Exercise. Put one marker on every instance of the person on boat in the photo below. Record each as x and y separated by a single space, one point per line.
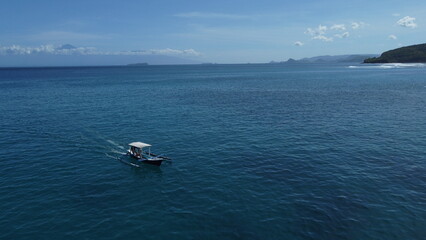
137 152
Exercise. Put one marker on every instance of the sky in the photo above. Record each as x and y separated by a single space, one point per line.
205 31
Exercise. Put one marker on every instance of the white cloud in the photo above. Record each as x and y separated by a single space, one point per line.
323 38
320 30
343 35
45 49
298 43
71 50
396 14
393 37
339 27
407 21
357 25
211 15
319 33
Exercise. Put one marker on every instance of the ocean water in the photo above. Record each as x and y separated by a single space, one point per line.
259 152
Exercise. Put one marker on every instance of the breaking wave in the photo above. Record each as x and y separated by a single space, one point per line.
391 65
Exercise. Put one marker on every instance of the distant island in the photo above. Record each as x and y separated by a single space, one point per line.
137 64
409 54
350 58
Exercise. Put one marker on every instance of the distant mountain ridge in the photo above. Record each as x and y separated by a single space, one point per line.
348 58
66 46
409 54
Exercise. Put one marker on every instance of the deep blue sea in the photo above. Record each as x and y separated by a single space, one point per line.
260 151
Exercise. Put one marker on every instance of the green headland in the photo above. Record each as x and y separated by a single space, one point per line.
409 54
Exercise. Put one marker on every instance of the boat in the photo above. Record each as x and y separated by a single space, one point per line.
138 152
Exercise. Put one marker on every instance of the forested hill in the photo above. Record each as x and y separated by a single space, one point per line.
409 54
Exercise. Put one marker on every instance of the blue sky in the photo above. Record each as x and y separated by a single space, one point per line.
211 31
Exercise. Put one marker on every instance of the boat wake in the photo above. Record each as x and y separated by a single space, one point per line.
110 156
121 159
115 144
390 65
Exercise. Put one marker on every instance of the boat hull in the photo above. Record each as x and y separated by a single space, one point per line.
156 162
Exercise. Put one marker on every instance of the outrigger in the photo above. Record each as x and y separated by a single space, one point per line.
136 151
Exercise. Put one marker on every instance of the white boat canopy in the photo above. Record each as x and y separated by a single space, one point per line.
139 144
